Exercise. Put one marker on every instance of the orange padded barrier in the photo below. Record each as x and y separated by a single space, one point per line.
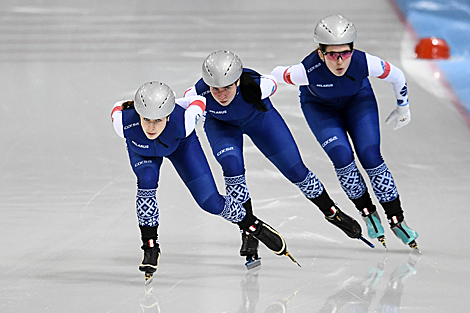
432 48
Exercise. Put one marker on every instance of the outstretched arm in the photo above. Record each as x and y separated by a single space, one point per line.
195 106
292 75
392 74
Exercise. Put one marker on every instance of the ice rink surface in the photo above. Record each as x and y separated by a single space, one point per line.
69 240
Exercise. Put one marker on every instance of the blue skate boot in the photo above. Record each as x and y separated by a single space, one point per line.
403 232
374 225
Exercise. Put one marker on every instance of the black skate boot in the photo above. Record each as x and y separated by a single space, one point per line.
263 232
151 257
344 222
267 235
249 249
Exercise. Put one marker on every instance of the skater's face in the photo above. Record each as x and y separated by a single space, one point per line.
225 95
153 128
337 58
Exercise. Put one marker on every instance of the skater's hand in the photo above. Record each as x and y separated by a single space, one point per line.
401 115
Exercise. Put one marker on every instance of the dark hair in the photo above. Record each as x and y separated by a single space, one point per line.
322 47
128 105
251 91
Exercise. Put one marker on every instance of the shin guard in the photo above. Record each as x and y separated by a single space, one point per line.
236 188
311 186
233 210
382 182
351 180
147 208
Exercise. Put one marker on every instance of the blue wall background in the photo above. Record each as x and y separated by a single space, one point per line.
450 20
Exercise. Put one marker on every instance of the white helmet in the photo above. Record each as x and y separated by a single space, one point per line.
154 100
221 68
334 30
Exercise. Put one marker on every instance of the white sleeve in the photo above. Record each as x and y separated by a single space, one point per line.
190 92
195 106
293 75
116 117
268 85
390 73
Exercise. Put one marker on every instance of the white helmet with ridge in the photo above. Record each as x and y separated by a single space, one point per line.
154 100
335 30
221 68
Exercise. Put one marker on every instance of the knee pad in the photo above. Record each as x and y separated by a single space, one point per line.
231 160
147 177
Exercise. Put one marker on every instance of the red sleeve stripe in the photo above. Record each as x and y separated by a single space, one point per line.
199 103
273 91
275 88
184 95
386 71
116 108
286 76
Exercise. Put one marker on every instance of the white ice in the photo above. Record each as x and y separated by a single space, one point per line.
69 240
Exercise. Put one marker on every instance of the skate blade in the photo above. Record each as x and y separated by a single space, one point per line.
292 258
414 245
367 242
251 264
148 278
381 239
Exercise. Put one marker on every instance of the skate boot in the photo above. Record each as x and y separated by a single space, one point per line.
344 222
404 233
249 249
374 225
270 237
150 260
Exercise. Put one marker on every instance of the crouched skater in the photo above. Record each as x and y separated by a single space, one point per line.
238 104
154 127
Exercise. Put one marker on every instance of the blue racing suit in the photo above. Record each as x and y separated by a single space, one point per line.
185 153
225 126
336 107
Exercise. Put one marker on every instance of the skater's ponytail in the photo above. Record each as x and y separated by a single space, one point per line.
251 91
128 105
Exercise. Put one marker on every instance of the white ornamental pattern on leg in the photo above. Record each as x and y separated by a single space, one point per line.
147 208
311 186
383 183
351 180
236 188
233 210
